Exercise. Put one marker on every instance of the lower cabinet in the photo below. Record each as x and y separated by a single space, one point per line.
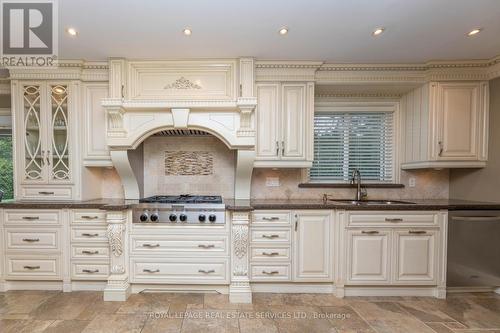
291 246
368 256
312 244
383 255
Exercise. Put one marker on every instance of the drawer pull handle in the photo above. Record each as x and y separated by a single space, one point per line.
151 271
90 252
417 232
270 254
394 220
270 236
31 267
205 271
31 239
371 232
90 235
31 218
270 273
272 218
89 271
206 246
88 217
150 245
46 193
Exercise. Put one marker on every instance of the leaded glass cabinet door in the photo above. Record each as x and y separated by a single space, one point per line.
59 138
35 158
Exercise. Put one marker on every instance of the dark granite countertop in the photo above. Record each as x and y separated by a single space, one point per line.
319 204
248 205
105 204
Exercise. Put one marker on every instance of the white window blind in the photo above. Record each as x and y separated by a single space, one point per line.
344 141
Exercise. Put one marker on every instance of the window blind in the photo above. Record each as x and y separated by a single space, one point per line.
344 141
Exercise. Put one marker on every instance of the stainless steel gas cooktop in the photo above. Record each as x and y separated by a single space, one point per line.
180 210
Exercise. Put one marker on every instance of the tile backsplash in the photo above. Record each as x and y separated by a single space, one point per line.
194 165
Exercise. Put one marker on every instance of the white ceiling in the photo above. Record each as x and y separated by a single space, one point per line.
325 30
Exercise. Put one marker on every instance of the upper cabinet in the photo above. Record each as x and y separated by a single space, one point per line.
446 125
284 125
45 139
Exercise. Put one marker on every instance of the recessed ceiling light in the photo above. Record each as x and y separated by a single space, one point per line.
187 31
283 31
474 32
378 31
72 31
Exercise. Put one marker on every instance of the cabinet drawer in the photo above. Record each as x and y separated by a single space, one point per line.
270 272
180 270
271 218
95 234
89 271
269 235
88 217
18 239
270 253
32 217
180 244
371 219
46 193
33 267
89 252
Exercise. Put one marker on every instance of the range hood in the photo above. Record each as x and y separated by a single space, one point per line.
198 96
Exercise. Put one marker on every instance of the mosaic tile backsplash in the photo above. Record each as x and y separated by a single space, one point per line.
189 163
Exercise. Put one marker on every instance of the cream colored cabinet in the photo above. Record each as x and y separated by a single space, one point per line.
284 121
45 139
368 253
312 246
415 256
446 125
95 148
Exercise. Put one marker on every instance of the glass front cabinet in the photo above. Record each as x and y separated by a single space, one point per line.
45 140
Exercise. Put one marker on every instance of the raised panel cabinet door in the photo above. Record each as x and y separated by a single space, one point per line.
96 150
368 256
267 112
293 115
312 244
415 256
458 110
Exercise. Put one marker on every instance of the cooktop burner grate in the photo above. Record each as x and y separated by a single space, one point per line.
183 198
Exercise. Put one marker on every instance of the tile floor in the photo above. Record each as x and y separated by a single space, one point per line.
45 311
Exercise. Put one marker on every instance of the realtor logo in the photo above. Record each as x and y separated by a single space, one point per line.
29 32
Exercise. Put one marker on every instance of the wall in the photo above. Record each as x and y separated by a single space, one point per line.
483 184
430 184
220 179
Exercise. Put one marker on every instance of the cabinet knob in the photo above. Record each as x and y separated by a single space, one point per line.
270 254
31 267
90 235
371 232
30 218
31 240
270 273
151 271
270 236
89 271
206 246
205 271
417 232
394 220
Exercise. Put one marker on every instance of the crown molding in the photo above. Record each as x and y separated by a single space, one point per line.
331 73
65 70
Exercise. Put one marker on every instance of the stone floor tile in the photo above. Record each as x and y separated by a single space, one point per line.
210 321
116 323
65 306
23 326
219 301
344 318
67 326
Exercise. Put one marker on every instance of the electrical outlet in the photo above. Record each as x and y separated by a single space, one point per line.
272 181
412 182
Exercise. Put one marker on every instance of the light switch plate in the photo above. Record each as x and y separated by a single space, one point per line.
412 182
272 181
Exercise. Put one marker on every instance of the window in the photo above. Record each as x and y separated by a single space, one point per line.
350 139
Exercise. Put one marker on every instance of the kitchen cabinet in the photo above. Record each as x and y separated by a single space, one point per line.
312 244
95 148
284 121
368 256
415 256
446 125
45 148
394 248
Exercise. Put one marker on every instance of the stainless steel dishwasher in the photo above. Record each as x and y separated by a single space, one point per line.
474 249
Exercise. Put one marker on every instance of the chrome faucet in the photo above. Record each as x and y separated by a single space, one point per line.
356 179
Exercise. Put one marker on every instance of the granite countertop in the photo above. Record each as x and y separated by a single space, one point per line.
248 205
319 204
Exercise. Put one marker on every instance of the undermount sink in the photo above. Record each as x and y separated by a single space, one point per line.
371 202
